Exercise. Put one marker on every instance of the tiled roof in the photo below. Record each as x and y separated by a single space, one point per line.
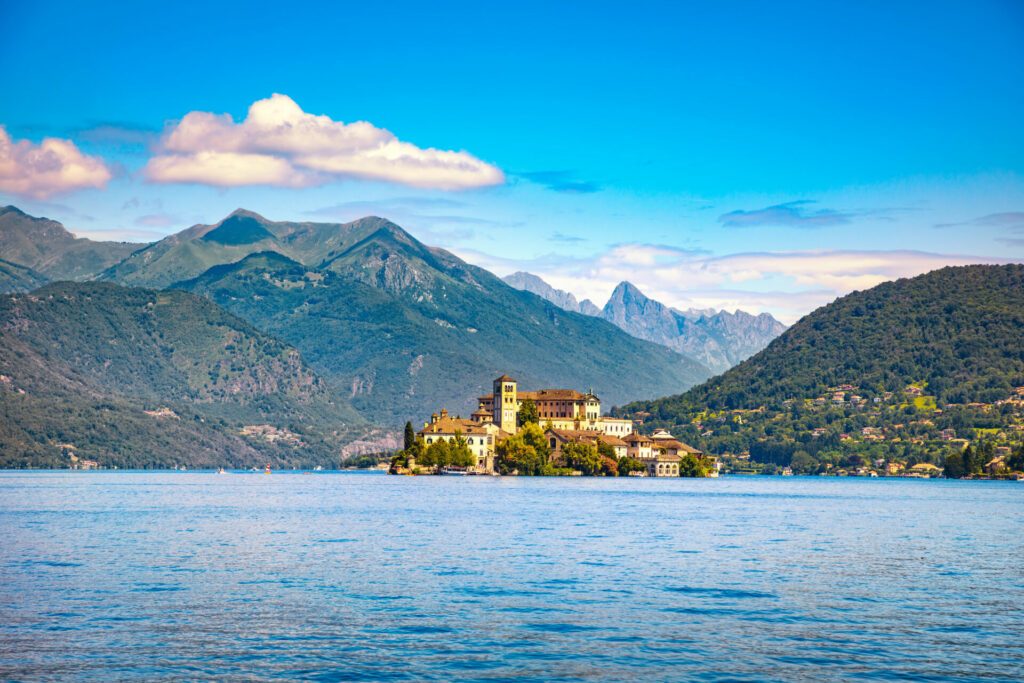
553 395
450 425
504 378
586 436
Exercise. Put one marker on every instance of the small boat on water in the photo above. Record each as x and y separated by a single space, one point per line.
267 469
221 471
456 471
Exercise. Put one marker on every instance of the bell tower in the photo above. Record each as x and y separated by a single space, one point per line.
505 404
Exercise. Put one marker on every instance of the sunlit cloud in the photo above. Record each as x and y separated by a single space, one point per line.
54 166
279 144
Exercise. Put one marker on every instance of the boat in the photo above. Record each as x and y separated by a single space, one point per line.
457 471
221 471
267 470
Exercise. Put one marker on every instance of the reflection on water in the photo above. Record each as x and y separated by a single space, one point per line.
363 576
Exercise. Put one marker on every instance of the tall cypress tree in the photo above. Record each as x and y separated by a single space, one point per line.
410 435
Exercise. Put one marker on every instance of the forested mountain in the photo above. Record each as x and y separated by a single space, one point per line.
904 361
50 250
718 339
81 364
410 329
17 278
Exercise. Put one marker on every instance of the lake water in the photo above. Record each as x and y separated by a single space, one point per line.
367 577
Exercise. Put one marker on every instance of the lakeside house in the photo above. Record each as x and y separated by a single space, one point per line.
480 436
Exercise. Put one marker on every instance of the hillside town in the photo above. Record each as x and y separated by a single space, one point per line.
562 431
847 431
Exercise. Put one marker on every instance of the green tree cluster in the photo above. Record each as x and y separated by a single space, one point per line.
528 413
447 453
526 452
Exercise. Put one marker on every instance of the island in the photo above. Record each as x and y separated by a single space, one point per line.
547 432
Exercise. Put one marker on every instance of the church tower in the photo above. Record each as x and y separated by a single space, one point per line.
505 403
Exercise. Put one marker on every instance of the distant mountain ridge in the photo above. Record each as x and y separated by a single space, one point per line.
565 300
47 248
719 339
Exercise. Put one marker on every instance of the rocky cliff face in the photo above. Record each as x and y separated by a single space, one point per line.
529 282
718 339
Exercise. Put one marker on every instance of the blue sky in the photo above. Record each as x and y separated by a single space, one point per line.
768 156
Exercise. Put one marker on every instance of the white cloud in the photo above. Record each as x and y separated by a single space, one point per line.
279 144
786 284
52 167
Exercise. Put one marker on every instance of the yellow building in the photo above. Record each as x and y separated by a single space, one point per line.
564 409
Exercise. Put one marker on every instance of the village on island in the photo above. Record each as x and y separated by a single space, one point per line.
544 432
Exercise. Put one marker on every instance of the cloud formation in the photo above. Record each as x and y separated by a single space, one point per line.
561 181
280 144
1009 220
787 284
52 167
796 214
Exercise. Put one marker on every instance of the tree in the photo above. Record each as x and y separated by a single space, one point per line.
534 436
514 454
410 436
609 466
459 454
692 466
954 466
582 457
528 413
1016 461
803 462
628 464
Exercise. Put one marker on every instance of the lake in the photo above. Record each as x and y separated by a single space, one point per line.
361 576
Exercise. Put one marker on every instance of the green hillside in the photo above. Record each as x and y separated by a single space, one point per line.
905 361
80 364
46 247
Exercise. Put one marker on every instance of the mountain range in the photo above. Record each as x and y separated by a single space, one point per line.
718 339
401 328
